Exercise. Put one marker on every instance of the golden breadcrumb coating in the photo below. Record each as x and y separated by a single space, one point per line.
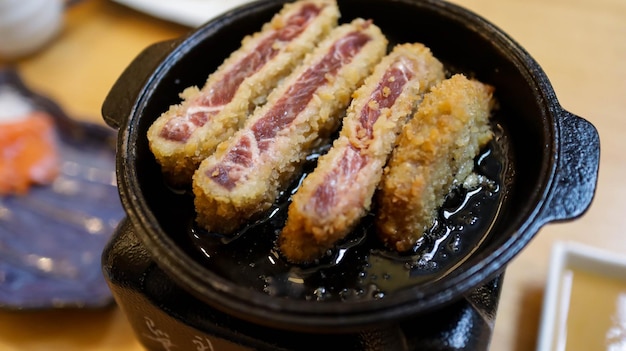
246 173
179 156
338 193
435 151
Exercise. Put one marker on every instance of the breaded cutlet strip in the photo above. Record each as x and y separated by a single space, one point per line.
188 132
338 193
435 151
246 173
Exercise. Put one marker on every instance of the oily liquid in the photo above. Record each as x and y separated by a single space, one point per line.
593 314
360 267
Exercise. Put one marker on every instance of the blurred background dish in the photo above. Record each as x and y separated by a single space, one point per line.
28 25
584 305
52 234
190 13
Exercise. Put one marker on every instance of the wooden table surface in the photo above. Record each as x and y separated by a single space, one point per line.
581 45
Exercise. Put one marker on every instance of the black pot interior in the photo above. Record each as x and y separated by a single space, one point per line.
231 277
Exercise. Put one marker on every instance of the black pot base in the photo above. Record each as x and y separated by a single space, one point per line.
166 317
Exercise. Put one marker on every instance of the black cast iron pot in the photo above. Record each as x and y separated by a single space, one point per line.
545 157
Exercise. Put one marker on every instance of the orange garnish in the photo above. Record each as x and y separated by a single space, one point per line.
28 153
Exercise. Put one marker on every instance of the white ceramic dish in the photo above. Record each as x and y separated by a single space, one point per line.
28 25
586 278
190 13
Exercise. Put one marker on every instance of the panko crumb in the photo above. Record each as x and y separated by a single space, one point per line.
435 151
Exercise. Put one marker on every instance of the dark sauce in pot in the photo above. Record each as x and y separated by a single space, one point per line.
360 267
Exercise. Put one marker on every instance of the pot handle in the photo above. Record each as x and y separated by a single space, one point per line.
576 174
119 102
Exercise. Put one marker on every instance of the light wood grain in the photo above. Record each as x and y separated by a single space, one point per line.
581 44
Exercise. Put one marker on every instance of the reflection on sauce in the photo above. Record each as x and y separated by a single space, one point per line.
361 268
592 312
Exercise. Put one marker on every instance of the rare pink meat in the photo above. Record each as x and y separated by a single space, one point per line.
286 109
333 198
353 160
181 127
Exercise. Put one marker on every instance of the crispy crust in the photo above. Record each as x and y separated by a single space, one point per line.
180 159
435 151
333 198
258 184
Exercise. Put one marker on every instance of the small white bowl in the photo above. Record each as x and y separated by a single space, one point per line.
585 297
28 25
